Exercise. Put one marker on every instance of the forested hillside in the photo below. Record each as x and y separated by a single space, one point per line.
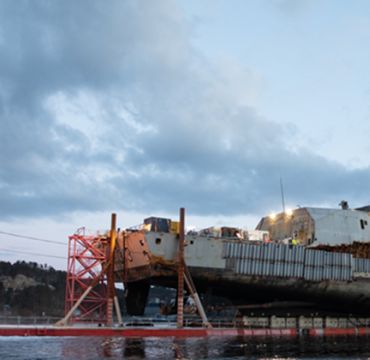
28 288
32 289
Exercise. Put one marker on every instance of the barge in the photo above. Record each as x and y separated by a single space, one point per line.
246 326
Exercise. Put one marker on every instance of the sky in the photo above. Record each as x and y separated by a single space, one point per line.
142 107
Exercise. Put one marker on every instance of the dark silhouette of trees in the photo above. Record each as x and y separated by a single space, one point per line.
47 297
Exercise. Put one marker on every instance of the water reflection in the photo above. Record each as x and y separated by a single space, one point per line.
178 352
180 348
260 348
134 348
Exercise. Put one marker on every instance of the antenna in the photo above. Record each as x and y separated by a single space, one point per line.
282 194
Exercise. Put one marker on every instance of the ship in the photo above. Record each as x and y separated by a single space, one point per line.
315 257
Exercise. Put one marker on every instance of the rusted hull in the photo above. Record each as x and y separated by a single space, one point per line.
351 297
241 289
150 258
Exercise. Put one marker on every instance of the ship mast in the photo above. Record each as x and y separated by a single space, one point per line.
282 194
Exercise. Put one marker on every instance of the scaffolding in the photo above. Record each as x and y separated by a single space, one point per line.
90 283
86 282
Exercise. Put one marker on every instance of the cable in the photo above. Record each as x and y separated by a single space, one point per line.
32 238
32 253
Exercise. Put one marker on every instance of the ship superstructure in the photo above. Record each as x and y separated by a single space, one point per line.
318 226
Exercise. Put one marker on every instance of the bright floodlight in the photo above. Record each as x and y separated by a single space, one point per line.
289 212
272 216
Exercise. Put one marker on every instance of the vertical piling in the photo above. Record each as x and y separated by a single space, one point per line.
111 291
180 285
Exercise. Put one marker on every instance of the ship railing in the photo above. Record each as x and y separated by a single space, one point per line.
218 322
139 321
170 321
27 320
137 227
282 322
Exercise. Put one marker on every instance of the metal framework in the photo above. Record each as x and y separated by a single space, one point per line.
87 257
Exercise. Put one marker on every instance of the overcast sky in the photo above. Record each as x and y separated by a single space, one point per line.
140 107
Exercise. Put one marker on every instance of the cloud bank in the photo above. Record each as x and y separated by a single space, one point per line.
107 105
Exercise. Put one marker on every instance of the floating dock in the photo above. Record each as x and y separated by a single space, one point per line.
186 332
140 332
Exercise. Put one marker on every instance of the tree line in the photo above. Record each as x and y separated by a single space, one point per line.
45 298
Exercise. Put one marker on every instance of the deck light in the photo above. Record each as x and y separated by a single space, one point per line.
288 212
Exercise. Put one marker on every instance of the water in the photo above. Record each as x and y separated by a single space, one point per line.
192 348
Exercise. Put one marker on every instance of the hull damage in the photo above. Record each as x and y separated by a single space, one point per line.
150 258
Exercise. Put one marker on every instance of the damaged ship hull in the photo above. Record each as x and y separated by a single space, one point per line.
220 266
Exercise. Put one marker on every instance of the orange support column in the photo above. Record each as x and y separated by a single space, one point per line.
181 268
111 289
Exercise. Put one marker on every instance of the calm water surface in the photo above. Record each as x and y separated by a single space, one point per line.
193 348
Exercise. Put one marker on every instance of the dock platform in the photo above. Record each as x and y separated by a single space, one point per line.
143 332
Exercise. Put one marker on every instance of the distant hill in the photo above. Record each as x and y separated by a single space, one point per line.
32 289
28 288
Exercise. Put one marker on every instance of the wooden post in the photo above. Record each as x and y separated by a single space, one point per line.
195 296
111 291
180 285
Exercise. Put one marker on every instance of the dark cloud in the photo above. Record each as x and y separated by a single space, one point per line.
106 105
